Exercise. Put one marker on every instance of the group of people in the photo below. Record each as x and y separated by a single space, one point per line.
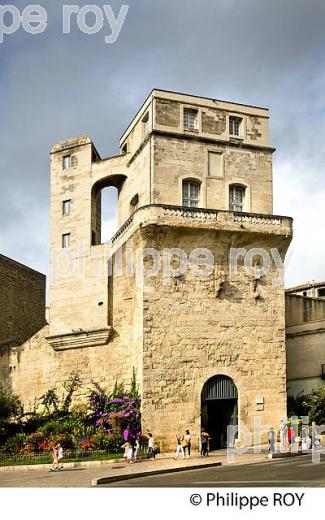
289 437
57 456
132 453
183 445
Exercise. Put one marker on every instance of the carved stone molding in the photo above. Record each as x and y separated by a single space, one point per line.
80 339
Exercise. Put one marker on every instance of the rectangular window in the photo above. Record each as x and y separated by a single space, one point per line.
66 207
236 198
234 126
191 193
190 119
66 240
67 162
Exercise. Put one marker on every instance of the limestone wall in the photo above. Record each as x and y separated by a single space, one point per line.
196 328
178 159
36 366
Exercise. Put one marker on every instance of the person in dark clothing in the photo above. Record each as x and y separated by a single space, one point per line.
204 443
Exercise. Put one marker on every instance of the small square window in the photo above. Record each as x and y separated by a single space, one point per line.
67 162
234 126
66 240
190 119
66 207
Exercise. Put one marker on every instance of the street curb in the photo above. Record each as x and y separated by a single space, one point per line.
287 454
119 478
67 465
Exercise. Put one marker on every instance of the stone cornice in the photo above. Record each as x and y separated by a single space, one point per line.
80 339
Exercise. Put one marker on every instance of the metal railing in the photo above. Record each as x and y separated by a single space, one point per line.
44 458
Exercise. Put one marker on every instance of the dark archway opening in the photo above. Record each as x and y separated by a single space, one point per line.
219 408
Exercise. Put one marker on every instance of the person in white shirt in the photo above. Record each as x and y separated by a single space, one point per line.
60 457
151 452
187 438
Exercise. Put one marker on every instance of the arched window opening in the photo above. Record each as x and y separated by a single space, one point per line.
191 194
104 221
236 198
104 209
109 213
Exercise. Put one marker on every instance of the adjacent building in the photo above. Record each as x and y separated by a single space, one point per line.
305 331
22 309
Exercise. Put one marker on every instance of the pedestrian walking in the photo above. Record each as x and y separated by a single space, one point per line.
283 436
315 438
187 443
204 443
126 447
271 439
179 445
151 451
55 464
60 457
129 454
137 455
291 436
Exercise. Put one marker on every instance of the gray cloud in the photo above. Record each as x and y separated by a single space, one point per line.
55 86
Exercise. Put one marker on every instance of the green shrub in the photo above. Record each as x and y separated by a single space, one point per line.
51 427
66 440
35 443
15 444
106 441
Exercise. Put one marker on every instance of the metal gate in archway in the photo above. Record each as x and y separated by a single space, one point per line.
219 408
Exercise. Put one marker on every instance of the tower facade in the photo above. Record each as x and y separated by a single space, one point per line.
189 290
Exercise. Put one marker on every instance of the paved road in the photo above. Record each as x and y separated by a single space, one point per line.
293 472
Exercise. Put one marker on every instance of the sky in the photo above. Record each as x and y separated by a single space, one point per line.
54 86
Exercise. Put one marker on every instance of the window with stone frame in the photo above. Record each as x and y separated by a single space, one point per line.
67 162
236 198
234 126
66 242
66 207
190 119
191 194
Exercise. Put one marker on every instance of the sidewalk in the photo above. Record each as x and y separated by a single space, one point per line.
93 474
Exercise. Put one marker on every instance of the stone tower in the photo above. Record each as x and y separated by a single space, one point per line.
206 337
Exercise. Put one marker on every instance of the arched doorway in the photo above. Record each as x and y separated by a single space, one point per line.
219 408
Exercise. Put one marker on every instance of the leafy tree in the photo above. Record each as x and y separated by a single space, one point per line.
134 391
50 399
71 385
118 390
315 404
312 404
10 405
